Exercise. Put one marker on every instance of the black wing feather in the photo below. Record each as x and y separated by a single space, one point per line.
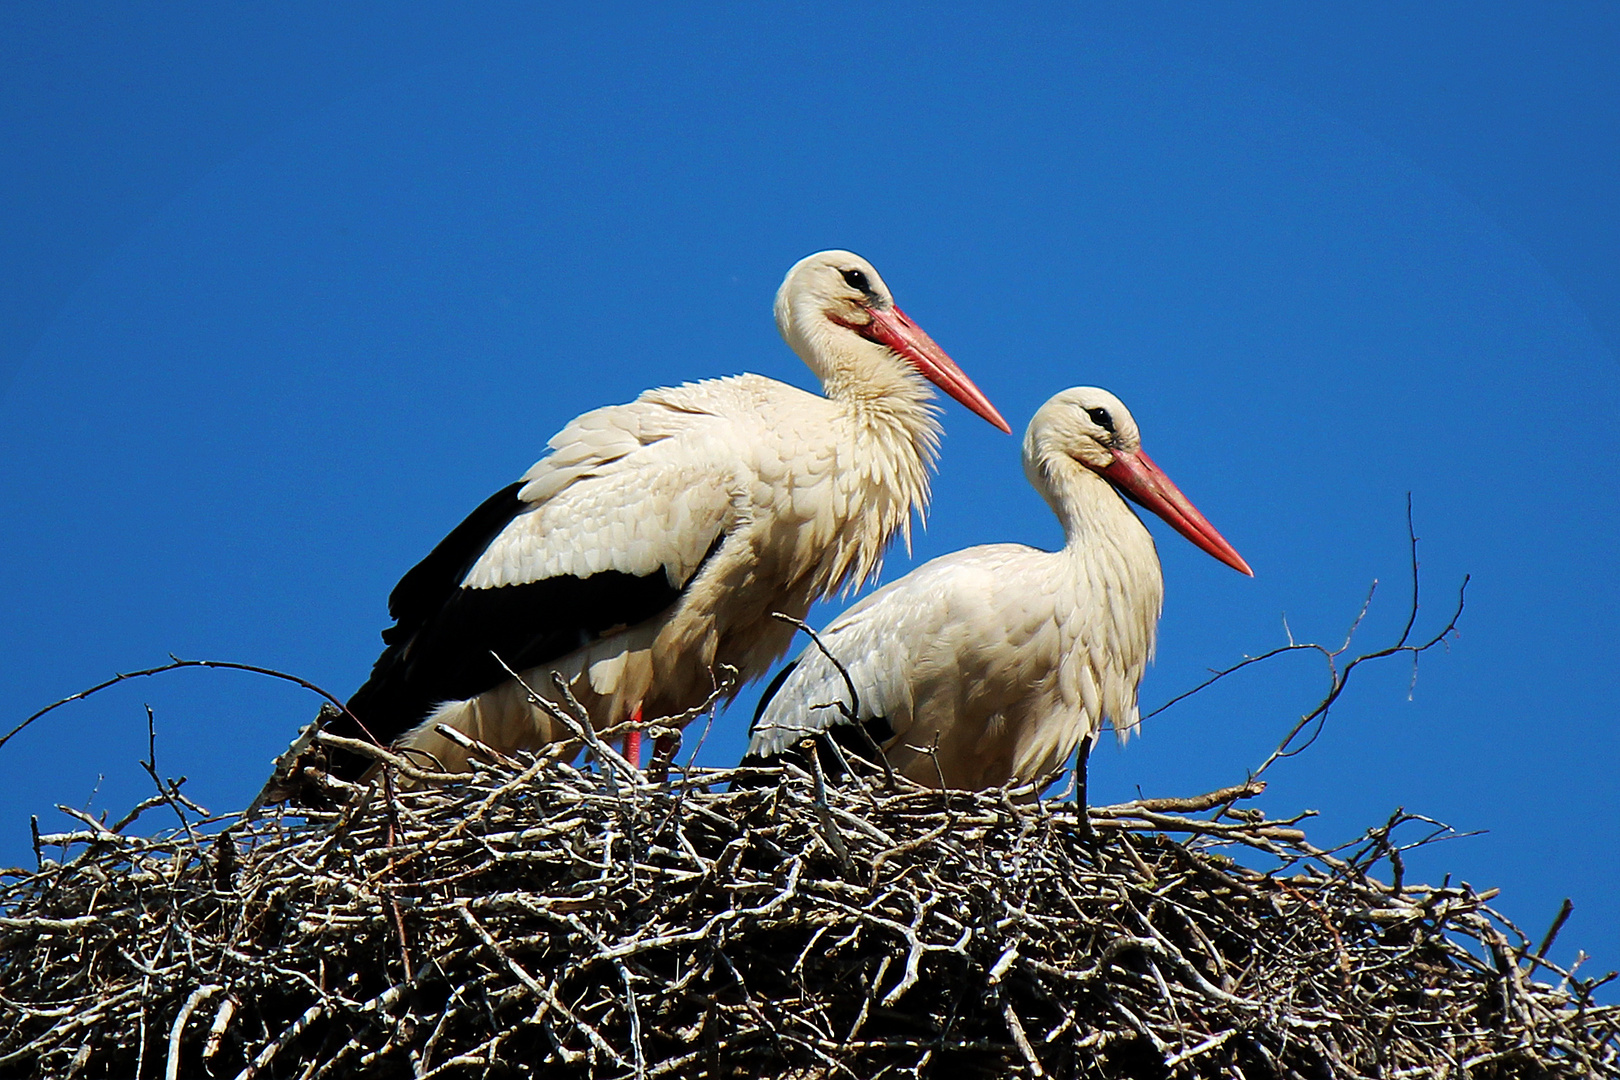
772 688
428 584
844 733
440 646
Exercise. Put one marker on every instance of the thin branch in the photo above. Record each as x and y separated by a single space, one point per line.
852 711
1339 678
1564 911
176 665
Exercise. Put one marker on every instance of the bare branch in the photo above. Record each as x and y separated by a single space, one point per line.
1314 720
852 711
177 664
557 918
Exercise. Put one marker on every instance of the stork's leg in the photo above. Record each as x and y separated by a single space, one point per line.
1081 807
632 741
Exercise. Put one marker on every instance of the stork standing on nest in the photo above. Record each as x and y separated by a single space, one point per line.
655 540
993 664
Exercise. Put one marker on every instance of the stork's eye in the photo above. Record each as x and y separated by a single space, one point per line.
856 279
1101 418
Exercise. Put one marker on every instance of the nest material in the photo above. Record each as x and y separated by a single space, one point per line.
538 918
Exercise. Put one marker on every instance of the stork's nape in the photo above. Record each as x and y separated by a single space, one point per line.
653 542
992 665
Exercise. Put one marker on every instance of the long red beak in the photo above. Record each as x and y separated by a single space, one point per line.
1145 483
893 328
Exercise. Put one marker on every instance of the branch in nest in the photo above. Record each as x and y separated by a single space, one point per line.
565 921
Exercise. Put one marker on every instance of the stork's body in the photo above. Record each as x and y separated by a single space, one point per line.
656 538
994 663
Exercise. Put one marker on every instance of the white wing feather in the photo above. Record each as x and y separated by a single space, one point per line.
931 620
1006 655
631 488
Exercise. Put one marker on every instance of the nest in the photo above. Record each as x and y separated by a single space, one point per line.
539 917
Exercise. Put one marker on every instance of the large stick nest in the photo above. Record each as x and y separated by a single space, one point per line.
543 918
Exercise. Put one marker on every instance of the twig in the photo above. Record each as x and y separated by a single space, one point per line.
852 711
829 827
177 664
1223 796
167 793
221 1024
1564 910
1338 679
172 1068
1341 679
276 1045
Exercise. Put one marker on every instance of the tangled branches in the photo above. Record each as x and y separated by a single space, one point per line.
1339 671
539 917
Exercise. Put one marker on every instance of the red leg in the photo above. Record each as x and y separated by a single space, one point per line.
632 741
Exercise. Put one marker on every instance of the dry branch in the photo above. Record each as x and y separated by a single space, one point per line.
1339 676
568 921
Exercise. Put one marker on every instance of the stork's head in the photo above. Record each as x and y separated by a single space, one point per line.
838 315
1093 427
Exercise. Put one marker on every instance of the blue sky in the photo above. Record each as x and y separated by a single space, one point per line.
289 290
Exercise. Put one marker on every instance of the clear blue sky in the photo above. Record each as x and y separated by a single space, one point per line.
289 289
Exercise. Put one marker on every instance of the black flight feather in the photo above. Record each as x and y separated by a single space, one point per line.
440 646
843 732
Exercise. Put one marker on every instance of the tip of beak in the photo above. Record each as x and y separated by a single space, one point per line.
1137 477
980 405
1227 554
1217 546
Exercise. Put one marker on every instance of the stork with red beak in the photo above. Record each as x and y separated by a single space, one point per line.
656 538
993 664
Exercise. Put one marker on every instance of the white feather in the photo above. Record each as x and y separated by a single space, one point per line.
806 492
1003 656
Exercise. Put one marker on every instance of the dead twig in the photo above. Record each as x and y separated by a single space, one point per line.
1339 677
580 922
177 664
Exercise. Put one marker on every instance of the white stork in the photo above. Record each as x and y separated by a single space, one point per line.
994 663
656 538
